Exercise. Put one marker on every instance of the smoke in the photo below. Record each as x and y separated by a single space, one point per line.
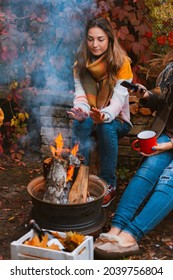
39 39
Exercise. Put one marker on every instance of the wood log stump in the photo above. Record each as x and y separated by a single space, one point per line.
56 185
66 180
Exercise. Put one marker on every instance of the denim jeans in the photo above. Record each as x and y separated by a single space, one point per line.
148 197
107 135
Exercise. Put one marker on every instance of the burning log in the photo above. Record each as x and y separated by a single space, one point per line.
79 190
56 182
61 185
58 179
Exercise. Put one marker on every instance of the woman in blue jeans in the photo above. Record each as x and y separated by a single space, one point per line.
148 197
107 135
100 102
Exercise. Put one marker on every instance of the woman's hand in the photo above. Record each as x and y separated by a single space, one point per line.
141 92
160 148
78 114
97 115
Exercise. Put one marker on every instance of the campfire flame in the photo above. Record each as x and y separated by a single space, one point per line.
71 168
75 150
57 152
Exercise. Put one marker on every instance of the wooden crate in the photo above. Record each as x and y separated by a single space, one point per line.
20 251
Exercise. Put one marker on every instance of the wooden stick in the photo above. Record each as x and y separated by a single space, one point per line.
78 191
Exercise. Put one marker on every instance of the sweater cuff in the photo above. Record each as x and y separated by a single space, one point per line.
171 140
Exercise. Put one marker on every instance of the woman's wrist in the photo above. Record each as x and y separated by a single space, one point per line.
171 140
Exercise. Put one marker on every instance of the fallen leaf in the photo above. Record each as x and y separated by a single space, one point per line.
11 218
34 170
2 168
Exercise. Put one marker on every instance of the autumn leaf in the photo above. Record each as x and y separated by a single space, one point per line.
13 85
21 116
133 19
34 241
21 151
13 156
122 14
116 11
1 116
130 38
77 238
123 32
69 242
19 156
1 168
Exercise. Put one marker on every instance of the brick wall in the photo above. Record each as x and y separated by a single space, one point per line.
54 120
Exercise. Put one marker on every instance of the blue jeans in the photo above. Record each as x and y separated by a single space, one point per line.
152 188
107 135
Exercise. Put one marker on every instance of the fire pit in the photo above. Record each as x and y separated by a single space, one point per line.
87 218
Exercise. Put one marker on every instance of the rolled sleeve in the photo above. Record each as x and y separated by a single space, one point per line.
119 103
80 99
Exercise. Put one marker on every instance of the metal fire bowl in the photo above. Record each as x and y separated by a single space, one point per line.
86 218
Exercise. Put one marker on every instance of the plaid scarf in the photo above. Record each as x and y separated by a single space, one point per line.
96 83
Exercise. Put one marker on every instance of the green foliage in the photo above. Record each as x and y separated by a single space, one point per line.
123 174
14 129
160 14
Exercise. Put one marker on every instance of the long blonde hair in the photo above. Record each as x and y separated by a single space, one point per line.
115 54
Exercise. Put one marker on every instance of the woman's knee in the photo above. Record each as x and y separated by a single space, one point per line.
83 127
106 130
166 178
146 172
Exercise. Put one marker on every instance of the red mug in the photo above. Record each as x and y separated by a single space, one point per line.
146 140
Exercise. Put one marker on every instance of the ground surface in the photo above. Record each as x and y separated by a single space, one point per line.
15 209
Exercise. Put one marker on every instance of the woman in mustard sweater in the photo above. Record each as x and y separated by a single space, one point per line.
100 102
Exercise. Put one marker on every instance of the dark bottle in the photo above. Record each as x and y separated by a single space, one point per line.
37 229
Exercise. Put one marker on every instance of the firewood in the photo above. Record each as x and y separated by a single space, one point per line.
56 182
145 111
133 99
46 166
79 189
134 108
